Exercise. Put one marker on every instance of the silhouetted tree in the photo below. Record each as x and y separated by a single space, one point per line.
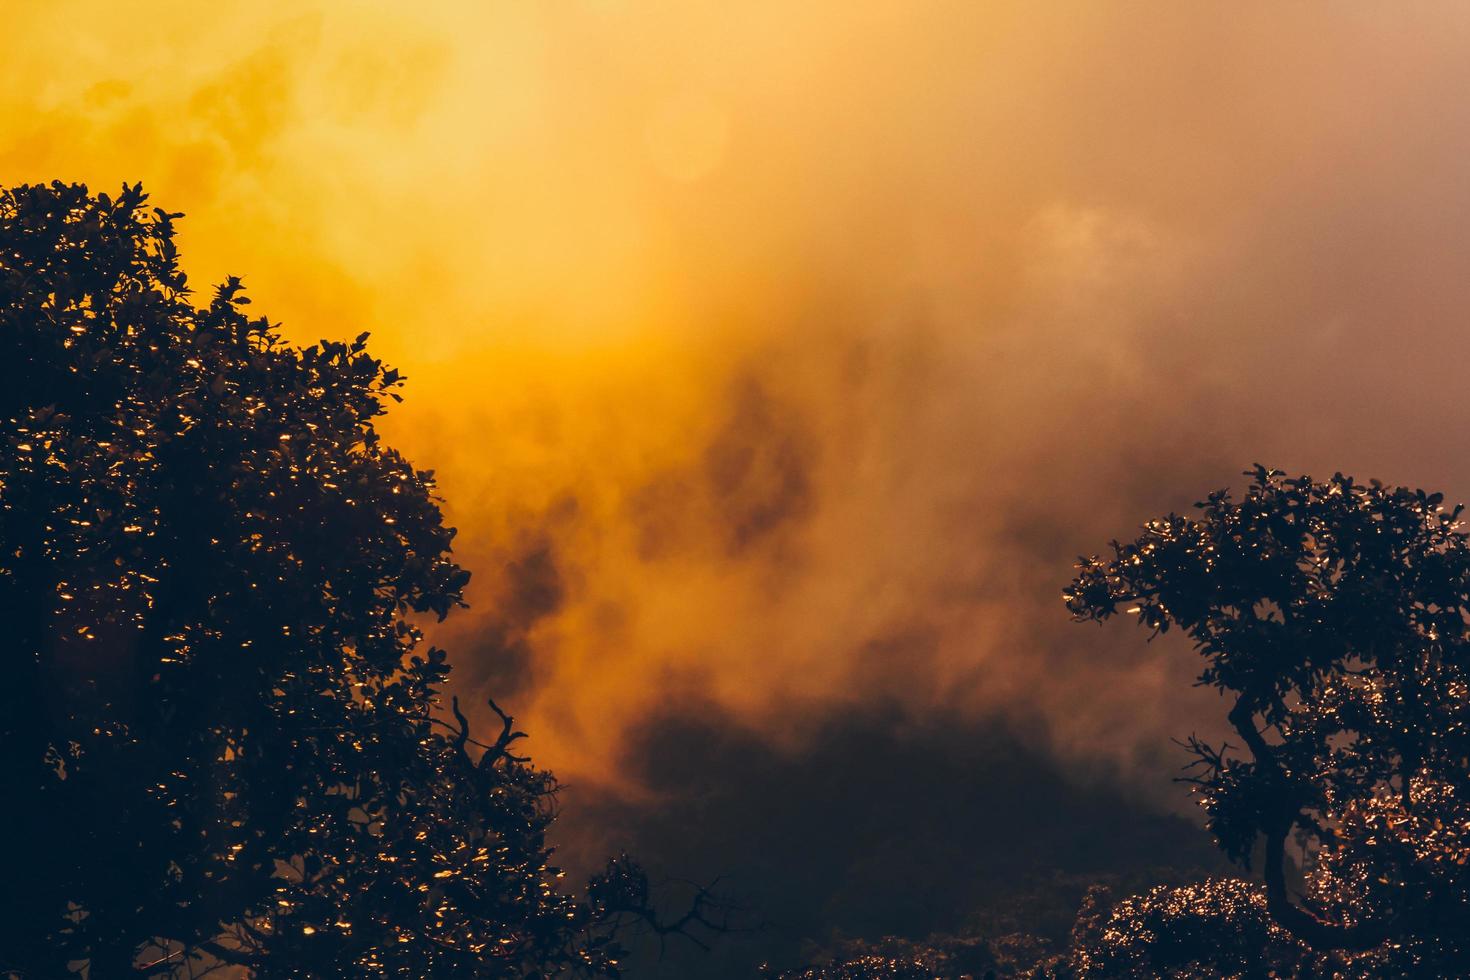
216 727
1335 617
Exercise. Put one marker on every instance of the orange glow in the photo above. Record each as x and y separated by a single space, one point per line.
775 357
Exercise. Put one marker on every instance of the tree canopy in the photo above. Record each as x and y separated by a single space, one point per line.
217 723
1335 618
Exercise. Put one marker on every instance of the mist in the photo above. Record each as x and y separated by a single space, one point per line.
776 362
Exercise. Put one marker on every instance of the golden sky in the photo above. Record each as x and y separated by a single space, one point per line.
777 358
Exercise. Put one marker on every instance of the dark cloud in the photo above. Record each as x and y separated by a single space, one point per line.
882 824
758 467
750 482
525 587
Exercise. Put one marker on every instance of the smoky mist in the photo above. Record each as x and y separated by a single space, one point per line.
776 364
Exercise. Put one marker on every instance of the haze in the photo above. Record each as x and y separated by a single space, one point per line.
776 360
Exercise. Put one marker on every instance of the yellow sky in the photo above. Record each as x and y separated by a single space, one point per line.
778 357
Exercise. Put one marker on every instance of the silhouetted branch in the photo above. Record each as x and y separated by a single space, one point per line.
624 897
492 753
226 954
502 742
464 725
1206 757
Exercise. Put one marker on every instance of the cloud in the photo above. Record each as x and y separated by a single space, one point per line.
781 359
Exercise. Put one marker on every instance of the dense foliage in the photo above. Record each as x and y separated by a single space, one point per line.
1214 929
894 958
217 726
1335 616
